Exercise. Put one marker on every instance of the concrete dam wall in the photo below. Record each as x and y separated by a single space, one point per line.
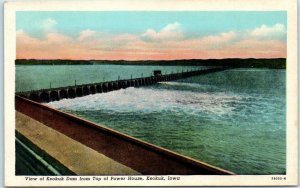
139 155
55 94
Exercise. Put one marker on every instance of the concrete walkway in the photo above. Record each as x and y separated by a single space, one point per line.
77 157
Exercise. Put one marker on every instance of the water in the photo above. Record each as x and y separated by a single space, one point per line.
233 119
29 77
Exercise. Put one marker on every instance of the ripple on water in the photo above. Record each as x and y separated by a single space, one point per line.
234 125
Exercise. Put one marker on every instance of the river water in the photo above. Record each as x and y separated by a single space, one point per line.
33 77
233 119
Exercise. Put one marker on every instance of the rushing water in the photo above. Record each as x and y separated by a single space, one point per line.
233 119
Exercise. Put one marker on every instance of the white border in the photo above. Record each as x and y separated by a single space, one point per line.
155 5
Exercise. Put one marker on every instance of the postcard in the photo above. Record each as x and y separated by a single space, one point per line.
151 93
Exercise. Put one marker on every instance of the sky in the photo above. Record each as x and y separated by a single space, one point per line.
150 35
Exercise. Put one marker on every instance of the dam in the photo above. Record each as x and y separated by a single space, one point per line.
120 153
132 155
56 94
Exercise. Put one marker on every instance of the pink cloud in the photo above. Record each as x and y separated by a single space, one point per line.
168 43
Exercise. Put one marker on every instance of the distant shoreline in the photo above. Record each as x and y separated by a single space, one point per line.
276 63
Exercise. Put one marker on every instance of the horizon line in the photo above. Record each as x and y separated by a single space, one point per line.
144 60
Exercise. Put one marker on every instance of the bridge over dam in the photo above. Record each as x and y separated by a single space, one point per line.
55 94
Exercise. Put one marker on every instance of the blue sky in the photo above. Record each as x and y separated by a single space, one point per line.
195 23
149 35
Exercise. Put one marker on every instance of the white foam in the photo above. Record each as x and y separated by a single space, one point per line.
147 100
